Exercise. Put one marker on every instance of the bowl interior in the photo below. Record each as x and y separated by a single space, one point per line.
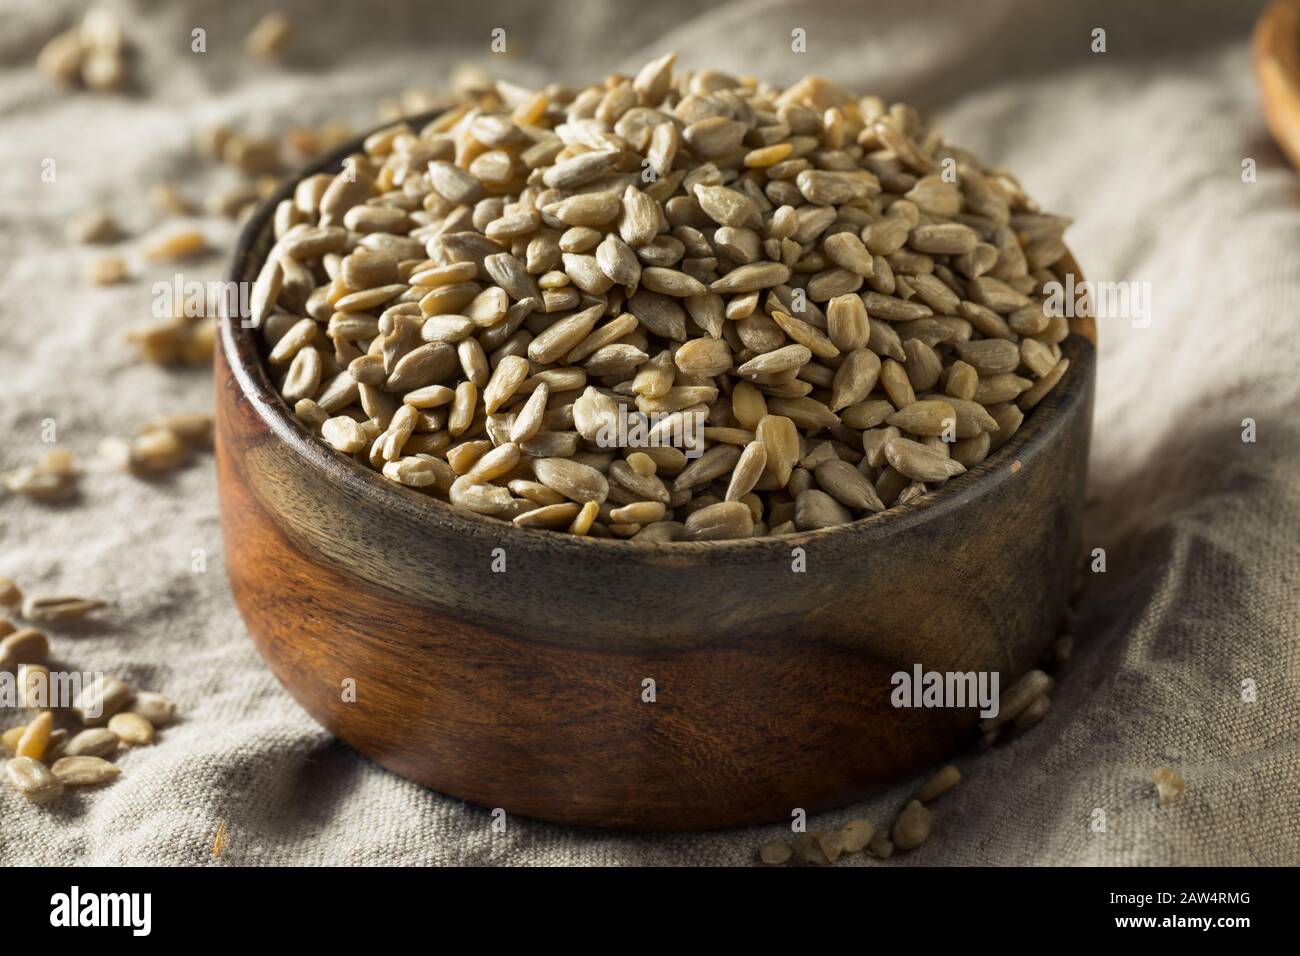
246 358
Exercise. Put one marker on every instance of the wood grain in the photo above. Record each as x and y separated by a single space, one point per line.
1275 51
524 689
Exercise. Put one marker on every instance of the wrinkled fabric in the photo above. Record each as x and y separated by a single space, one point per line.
1142 145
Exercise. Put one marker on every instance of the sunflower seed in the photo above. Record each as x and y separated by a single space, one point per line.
726 519
919 462
1169 784
132 729
36 736
797 270
912 828
33 780
83 771
1036 392
856 834
943 781
575 481
816 509
1017 697
100 700
749 469
60 608
95 742
26 645
848 486
928 417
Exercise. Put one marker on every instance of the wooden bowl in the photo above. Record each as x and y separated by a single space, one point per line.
528 689
1275 51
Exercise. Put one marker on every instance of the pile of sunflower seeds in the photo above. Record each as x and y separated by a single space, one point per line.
44 757
851 308
93 53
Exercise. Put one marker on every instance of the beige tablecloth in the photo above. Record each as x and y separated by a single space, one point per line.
1142 144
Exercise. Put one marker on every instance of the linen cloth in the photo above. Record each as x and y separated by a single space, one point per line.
1143 144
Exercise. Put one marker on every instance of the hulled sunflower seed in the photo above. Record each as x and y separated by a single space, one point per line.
95 742
943 781
726 519
1169 784
848 486
131 729
912 828
25 645
503 276
749 469
919 462
83 771
60 608
575 481
33 780
816 509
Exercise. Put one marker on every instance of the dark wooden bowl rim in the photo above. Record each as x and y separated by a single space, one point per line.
248 368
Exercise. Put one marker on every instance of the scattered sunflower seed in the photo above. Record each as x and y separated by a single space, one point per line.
943 781
131 728
1169 784
270 36
33 780
912 828
60 608
83 771
94 742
